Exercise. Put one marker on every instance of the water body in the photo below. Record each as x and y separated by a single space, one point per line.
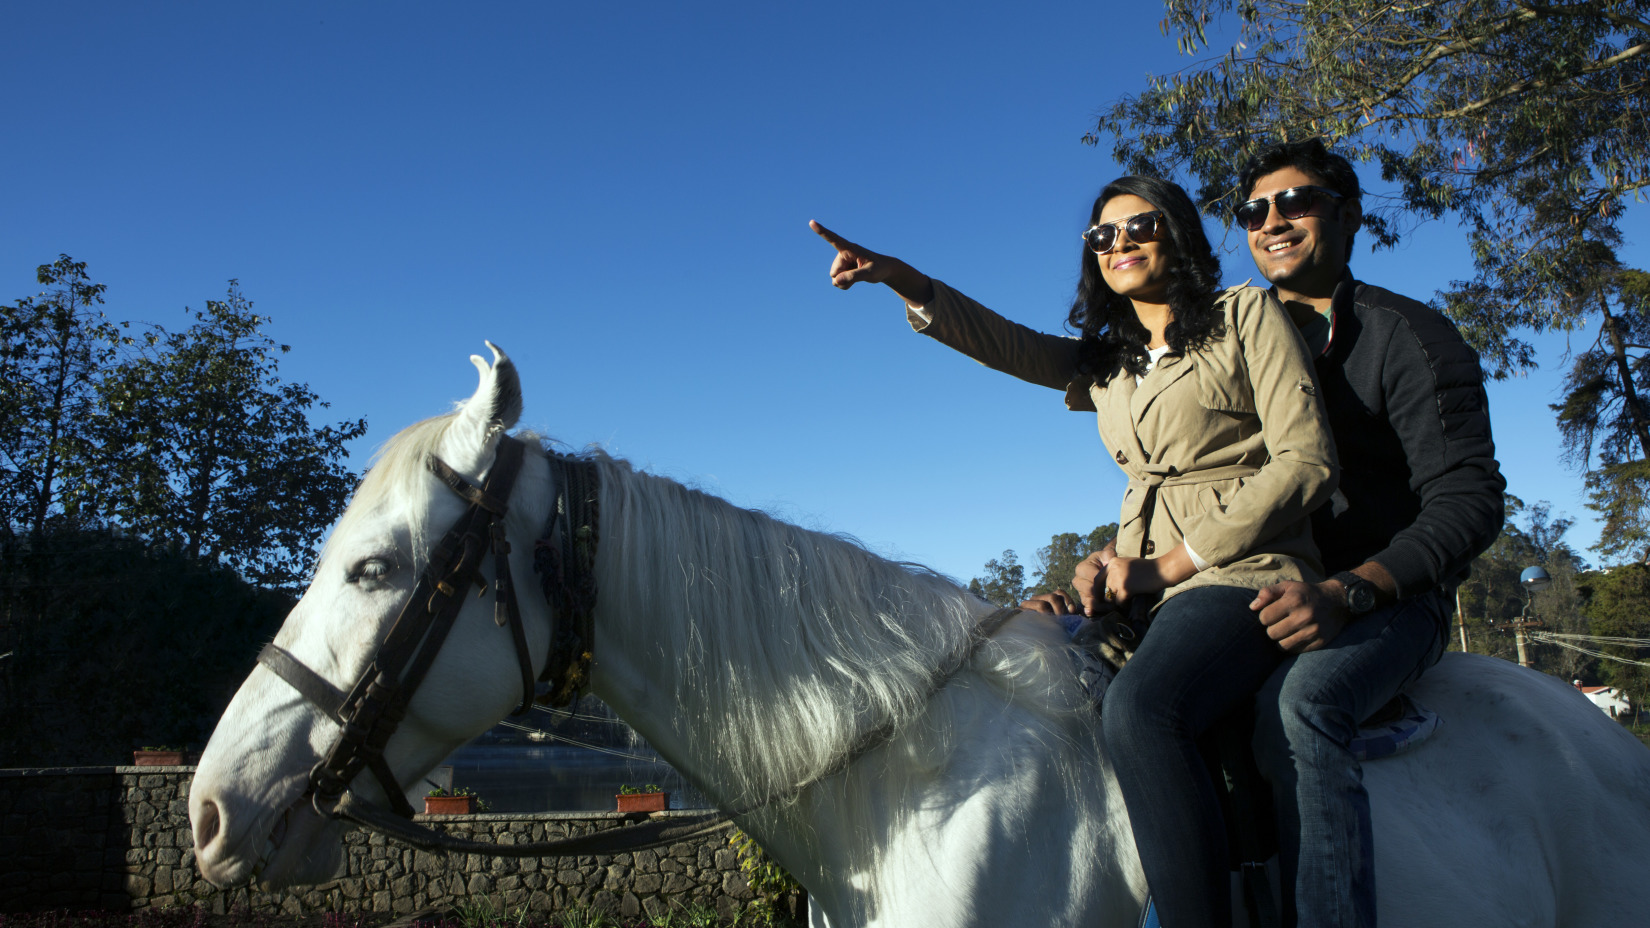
560 778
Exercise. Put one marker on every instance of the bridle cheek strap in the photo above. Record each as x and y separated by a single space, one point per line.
376 704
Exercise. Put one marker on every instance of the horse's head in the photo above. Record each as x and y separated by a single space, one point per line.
252 817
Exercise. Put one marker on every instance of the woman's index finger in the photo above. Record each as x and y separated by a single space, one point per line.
827 234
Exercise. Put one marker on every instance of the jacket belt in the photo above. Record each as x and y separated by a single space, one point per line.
1166 476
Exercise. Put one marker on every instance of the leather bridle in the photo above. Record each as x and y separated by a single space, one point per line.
372 709
565 560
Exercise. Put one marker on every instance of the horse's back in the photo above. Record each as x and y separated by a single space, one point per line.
1529 806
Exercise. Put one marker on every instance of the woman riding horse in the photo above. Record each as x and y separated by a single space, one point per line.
1207 400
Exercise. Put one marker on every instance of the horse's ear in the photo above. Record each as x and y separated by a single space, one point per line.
495 407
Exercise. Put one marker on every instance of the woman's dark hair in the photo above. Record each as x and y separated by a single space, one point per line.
1112 336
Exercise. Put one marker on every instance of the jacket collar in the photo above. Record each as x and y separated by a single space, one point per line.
1170 368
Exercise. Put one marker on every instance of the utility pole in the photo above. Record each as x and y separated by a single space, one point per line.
1534 580
1461 617
1518 634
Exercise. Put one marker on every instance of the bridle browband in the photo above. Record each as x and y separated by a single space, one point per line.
564 558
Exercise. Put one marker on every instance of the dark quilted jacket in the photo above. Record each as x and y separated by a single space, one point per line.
1420 490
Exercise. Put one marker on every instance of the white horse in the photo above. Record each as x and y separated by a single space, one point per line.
752 654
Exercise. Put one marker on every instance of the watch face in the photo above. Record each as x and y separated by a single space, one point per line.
1360 598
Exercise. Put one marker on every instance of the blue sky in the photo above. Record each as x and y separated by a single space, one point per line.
618 194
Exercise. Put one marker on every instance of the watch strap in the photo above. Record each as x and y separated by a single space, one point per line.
1357 588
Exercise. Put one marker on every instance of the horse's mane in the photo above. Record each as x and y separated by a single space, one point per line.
396 468
800 642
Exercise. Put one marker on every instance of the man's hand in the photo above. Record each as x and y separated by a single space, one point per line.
1055 603
1302 617
1085 582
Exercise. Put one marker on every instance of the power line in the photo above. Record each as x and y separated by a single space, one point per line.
569 714
1554 638
580 744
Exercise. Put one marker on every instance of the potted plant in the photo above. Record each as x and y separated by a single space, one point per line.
157 756
649 798
457 801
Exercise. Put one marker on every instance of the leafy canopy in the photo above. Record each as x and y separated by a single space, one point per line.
1004 579
53 348
204 445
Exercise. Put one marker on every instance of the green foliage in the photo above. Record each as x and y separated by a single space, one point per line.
1004 582
1057 561
487 912
629 790
693 916
54 348
455 791
1604 412
1618 605
120 644
203 445
142 485
1492 598
775 889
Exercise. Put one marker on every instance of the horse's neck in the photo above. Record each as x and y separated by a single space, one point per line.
986 828
726 631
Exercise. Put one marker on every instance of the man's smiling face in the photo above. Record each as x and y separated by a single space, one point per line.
1302 256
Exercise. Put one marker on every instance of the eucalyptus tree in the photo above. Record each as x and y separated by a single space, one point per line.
202 445
54 348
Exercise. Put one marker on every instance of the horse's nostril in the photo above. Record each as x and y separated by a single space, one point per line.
206 827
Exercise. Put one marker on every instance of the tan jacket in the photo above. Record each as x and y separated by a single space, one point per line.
1228 444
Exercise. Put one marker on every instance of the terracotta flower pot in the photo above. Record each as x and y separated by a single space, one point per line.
157 758
449 805
643 802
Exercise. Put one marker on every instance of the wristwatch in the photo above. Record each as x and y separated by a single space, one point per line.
1360 593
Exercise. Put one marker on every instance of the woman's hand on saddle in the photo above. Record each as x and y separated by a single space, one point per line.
857 264
1086 581
1131 576
1124 577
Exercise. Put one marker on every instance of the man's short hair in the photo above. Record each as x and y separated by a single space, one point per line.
1310 156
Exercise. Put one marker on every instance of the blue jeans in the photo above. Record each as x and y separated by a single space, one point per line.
1205 655
1306 717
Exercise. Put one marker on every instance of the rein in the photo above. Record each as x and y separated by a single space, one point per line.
565 561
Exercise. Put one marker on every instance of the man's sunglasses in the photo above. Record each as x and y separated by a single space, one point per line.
1292 204
1141 227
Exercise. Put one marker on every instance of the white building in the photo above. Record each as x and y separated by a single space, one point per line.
1606 698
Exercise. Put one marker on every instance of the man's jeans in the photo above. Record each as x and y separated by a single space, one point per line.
1305 719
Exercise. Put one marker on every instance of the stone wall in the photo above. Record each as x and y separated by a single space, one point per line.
118 838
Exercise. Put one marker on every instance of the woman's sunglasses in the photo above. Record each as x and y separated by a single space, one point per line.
1141 227
1292 204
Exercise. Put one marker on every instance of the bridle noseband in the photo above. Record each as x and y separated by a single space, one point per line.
370 712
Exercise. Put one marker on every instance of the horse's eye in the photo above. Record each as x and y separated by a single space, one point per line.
372 570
